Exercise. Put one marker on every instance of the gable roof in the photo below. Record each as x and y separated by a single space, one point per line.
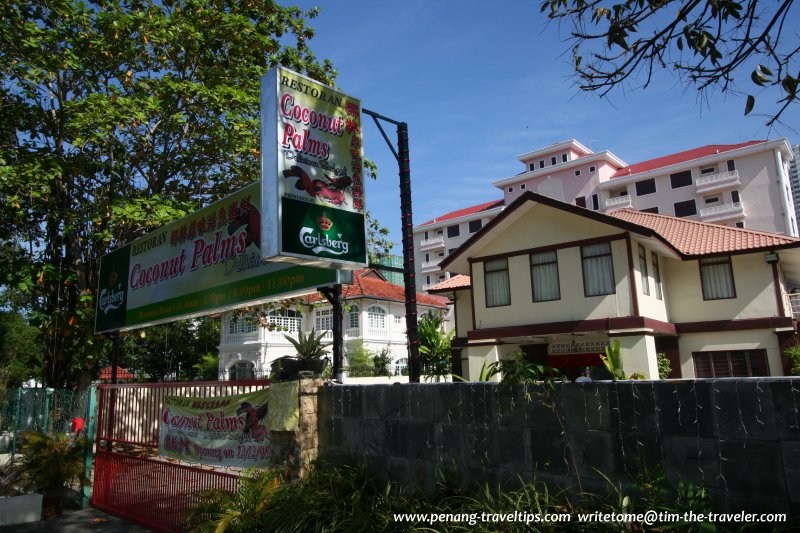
459 281
368 283
687 238
681 157
464 212
692 238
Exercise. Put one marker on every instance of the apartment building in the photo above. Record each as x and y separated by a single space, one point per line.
559 283
744 185
794 178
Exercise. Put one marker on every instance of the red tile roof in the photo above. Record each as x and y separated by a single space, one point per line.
692 238
105 374
680 157
459 281
367 283
464 212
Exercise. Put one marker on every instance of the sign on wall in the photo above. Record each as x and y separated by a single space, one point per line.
204 263
311 173
219 431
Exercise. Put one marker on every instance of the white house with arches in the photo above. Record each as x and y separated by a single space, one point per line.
374 314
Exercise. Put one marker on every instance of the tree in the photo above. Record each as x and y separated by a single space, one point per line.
20 350
116 118
706 43
434 346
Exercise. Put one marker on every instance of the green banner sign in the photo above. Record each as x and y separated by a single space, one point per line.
204 263
312 173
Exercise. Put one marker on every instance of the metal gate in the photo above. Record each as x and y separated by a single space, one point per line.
131 480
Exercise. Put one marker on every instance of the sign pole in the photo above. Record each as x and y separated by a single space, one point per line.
407 228
335 298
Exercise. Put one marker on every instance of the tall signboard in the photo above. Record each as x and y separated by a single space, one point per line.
207 262
311 173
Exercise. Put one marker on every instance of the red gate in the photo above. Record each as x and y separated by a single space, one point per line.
130 479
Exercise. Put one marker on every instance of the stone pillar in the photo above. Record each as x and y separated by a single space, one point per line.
295 451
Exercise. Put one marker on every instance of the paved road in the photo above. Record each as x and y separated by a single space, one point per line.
77 522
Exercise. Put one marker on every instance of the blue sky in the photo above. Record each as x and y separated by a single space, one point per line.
480 83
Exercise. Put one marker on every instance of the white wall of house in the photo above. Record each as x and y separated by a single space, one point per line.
757 339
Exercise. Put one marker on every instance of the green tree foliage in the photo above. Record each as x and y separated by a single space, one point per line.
359 360
175 351
706 43
20 350
116 118
434 346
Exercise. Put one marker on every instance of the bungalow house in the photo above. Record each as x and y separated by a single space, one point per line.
374 315
560 282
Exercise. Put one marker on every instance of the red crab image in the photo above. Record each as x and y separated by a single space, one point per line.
331 190
250 217
253 428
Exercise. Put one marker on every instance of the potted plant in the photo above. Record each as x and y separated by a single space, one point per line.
310 351
49 464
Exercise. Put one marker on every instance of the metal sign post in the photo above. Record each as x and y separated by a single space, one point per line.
401 154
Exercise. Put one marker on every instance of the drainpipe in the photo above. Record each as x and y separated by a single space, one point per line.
787 211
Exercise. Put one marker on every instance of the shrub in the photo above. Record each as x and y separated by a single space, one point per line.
793 353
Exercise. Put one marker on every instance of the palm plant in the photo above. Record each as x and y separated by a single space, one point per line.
434 345
309 347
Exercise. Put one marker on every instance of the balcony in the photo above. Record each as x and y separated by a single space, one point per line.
431 244
717 182
430 266
620 202
721 212
241 338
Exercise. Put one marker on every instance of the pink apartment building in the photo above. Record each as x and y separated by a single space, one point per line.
744 185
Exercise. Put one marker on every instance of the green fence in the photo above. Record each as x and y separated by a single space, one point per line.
39 409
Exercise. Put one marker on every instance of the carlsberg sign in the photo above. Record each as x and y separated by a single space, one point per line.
311 166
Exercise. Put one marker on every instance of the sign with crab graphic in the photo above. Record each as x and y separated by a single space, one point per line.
311 169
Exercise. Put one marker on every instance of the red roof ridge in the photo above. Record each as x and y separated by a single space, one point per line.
682 157
680 220
464 212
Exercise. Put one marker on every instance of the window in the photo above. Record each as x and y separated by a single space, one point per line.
401 367
580 201
705 171
440 254
398 320
426 235
511 189
685 209
496 280
711 199
553 160
681 179
522 186
453 231
740 224
643 270
531 167
541 163
242 324
645 187
656 275
376 317
475 225
730 364
598 271
650 210
578 172
427 257
716 277
595 202
735 197
353 317
563 158
323 319
592 168
242 370
731 165
544 277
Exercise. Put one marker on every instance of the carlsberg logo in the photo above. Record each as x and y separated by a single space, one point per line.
322 243
111 299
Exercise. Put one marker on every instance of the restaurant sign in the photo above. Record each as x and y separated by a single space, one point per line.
204 263
311 173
